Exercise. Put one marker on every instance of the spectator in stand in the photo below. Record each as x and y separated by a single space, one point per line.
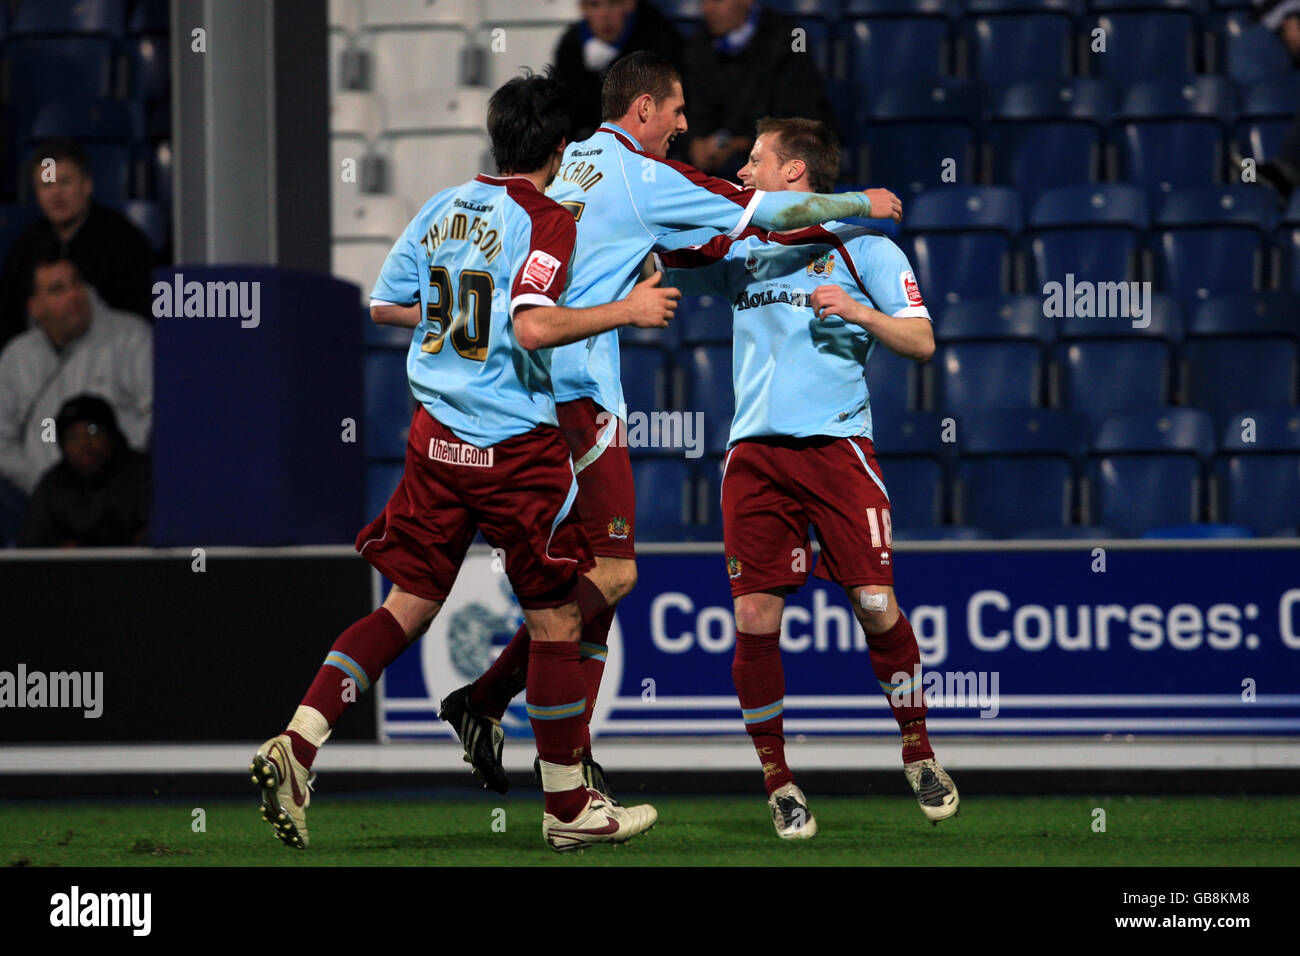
608 31
77 344
98 495
108 250
742 66
1282 172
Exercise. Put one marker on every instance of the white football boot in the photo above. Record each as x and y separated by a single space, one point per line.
601 821
790 813
286 790
934 789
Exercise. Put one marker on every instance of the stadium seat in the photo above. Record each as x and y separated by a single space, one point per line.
153 17
1145 470
1169 132
1012 47
664 493
1209 240
1226 374
997 317
942 533
388 404
645 377
420 165
1046 134
708 389
1139 44
463 108
1100 379
1257 473
912 129
1088 231
159 161
1255 313
529 46
359 263
885 50
1200 531
148 68
102 17
962 243
891 382
415 61
149 218
358 114
916 490
87 121
1253 52
111 167
1163 320
1068 533
379 14
973 377
703 319
535 11
1268 108
41 69
370 217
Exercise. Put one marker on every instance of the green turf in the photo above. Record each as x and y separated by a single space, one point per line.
1034 831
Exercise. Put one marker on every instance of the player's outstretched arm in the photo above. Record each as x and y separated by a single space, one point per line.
648 306
910 336
795 210
407 316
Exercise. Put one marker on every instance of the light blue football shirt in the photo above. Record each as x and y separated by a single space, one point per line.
470 257
795 374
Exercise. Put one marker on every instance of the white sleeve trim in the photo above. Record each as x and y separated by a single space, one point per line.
911 310
375 302
529 298
747 215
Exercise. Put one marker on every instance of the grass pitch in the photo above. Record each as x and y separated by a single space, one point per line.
853 831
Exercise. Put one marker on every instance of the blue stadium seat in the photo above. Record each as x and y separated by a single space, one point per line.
669 339
1253 52
41 69
886 50
1261 139
974 377
1275 95
1145 471
1024 431
148 67
150 16
111 166
645 377
891 382
1163 319
1103 378
1209 240
963 245
388 404
1007 495
1225 375
911 434
664 493
1170 132
997 317
1140 45
106 17
150 219
159 159
382 479
1200 531
708 390
1047 134
1085 532
912 129
703 319
916 490
1009 48
1257 473
1088 231
942 533
87 121
897 8
1255 313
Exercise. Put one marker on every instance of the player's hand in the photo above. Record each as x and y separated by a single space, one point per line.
884 204
651 306
832 300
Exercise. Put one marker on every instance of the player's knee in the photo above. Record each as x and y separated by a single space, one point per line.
616 579
752 618
875 608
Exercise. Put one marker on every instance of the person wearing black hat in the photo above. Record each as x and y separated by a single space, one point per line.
98 493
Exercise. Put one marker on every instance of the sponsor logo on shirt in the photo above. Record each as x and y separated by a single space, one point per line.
910 288
540 269
747 300
822 266
455 453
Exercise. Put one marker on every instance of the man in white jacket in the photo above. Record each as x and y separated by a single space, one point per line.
77 344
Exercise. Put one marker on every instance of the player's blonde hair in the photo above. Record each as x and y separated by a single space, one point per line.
810 140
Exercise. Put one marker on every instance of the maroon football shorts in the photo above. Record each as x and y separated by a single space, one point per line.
773 488
520 493
606 496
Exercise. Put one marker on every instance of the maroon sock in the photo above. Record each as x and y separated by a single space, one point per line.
893 654
492 693
760 685
593 647
355 661
556 703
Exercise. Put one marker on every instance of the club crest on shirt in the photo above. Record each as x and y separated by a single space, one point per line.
733 567
617 528
822 265
751 265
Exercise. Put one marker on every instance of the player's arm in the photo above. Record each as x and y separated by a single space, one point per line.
910 336
387 313
697 270
794 210
648 306
902 322
395 300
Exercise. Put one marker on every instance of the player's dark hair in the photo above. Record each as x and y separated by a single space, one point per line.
50 252
635 75
61 151
809 140
527 119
